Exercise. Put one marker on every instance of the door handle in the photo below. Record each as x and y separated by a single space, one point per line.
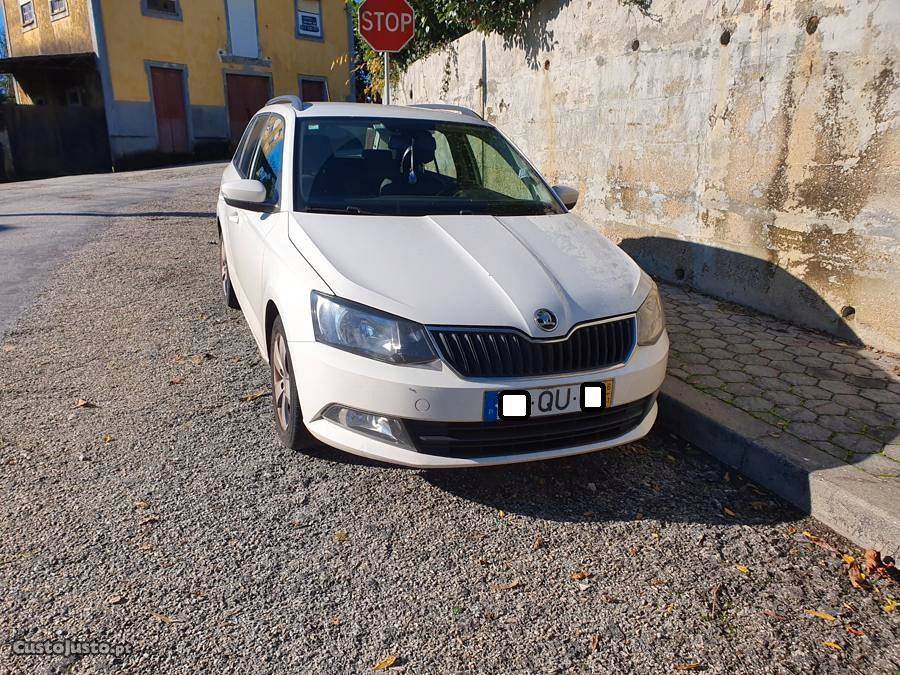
234 217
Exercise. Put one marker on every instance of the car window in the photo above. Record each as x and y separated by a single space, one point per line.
267 164
247 148
413 167
496 171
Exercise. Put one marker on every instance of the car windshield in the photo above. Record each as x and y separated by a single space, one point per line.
407 167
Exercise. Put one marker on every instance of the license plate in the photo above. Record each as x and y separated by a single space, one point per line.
548 401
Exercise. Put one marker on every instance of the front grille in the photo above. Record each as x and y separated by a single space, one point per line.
509 437
509 353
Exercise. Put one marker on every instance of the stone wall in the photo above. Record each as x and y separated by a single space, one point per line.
747 148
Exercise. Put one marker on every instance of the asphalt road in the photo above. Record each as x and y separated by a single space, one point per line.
43 222
169 518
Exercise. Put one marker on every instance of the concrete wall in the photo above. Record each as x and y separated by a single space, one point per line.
748 148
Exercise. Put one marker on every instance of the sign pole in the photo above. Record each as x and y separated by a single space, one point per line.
387 78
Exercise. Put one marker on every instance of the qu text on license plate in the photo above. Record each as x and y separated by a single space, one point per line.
547 401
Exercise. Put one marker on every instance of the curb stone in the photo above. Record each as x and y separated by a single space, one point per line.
849 501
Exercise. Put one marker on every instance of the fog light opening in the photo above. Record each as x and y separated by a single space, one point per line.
376 426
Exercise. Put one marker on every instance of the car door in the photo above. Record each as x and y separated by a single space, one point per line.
233 222
254 225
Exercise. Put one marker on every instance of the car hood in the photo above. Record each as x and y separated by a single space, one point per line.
466 270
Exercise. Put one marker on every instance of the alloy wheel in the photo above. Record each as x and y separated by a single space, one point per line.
281 380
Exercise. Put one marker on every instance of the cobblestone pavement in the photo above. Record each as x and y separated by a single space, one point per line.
838 397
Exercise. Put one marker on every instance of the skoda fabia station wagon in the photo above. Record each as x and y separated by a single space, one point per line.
422 296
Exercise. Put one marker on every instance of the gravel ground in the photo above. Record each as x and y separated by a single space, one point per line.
169 517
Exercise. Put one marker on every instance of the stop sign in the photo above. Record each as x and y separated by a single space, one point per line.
387 25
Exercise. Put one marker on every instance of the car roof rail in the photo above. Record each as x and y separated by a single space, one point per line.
293 100
461 109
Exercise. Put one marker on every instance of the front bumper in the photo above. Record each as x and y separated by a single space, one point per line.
327 376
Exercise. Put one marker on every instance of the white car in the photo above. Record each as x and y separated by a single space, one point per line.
423 297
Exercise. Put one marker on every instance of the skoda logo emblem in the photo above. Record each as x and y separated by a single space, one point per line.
545 319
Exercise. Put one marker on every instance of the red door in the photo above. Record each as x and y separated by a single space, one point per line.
246 95
171 116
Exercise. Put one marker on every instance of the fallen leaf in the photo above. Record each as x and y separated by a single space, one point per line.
849 559
249 398
387 662
882 567
833 645
502 514
176 380
729 512
335 621
658 582
141 504
669 608
857 578
687 666
149 520
107 438
774 615
854 631
820 615
538 542
632 551
197 359
82 403
890 606
727 477
115 600
9 348
813 539
743 569
671 459
508 586
163 617
595 642
759 505
341 536
578 576
145 547
638 516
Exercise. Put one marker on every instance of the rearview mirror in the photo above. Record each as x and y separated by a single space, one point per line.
567 195
244 192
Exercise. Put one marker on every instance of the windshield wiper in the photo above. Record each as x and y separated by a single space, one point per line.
349 210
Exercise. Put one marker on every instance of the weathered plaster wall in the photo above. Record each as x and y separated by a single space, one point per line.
68 33
761 165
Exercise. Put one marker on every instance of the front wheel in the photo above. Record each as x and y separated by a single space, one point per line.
288 417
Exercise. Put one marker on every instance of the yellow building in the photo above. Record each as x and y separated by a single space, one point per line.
176 77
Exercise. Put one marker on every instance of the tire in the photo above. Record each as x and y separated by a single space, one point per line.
285 400
227 289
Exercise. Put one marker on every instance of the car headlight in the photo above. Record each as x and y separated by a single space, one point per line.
368 332
651 319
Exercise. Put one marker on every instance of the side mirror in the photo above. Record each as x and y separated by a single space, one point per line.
241 193
567 195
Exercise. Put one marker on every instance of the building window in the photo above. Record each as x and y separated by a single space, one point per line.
164 9
313 89
26 10
309 18
59 8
